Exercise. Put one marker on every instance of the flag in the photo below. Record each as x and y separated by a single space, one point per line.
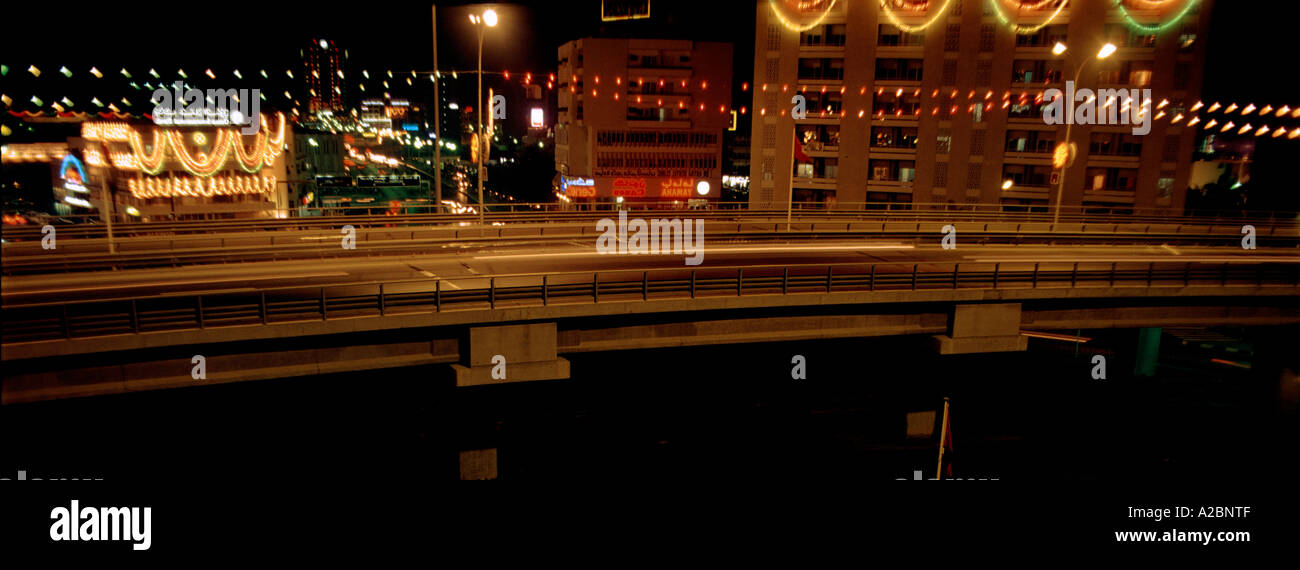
799 154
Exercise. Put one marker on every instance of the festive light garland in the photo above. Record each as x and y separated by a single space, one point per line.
791 25
265 149
149 163
195 186
1022 29
1152 28
986 104
884 6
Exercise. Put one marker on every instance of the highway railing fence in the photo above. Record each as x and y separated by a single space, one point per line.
144 314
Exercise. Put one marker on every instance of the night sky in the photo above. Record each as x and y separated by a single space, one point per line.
1251 50
392 35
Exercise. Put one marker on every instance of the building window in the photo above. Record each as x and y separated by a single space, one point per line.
977 141
897 102
1115 144
1045 37
1036 71
986 37
940 175
893 170
984 72
974 171
893 137
769 136
819 137
1133 72
949 72
773 37
1111 179
821 68
1182 75
1165 184
1187 38
892 36
1027 175
896 69
1173 144
952 37
832 35
1039 142
773 69
943 142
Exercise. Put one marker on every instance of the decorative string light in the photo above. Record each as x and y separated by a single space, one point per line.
1153 28
194 186
1023 29
795 27
884 6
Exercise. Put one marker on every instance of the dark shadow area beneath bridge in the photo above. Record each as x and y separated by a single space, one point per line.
728 412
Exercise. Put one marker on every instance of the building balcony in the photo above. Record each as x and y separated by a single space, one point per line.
660 71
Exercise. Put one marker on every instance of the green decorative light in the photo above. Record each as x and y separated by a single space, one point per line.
4 70
1152 28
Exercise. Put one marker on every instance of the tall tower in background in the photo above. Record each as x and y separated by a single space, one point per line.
323 63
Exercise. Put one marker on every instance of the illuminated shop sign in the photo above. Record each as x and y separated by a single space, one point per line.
73 175
578 187
629 187
676 188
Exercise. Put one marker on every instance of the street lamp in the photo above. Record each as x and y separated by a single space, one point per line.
1105 52
484 21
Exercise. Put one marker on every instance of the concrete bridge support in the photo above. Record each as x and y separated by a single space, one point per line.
497 355
983 327
509 353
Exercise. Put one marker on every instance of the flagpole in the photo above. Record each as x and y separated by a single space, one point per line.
943 438
789 204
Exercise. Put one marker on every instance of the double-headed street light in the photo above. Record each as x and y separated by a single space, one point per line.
488 19
1105 52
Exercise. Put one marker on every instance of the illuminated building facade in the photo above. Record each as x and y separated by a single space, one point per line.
324 76
184 173
642 120
941 101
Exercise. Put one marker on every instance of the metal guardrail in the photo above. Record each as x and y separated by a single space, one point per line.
391 242
526 213
134 315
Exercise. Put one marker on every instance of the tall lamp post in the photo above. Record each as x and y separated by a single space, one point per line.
437 121
487 20
1105 52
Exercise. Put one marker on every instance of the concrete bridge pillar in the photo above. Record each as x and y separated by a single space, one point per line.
509 353
500 354
983 327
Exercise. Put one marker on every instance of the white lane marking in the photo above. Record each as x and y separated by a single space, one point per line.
1205 259
169 283
708 250
209 292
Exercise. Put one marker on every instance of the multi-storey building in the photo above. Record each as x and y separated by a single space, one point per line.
642 120
323 63
941 101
